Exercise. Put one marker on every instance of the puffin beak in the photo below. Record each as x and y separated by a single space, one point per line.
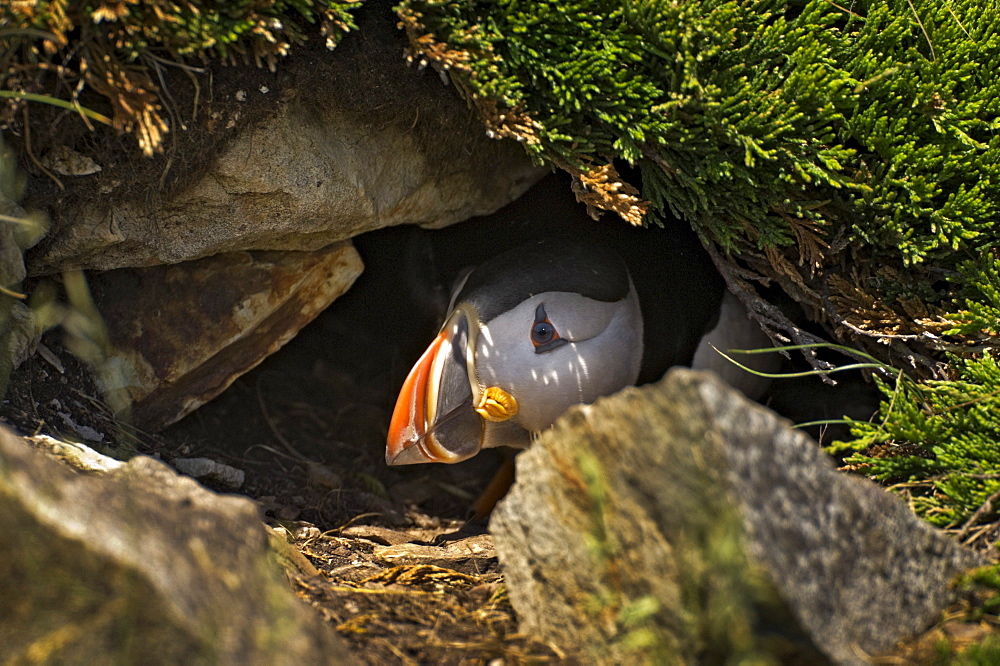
434 419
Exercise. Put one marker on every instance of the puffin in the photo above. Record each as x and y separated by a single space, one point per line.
558 322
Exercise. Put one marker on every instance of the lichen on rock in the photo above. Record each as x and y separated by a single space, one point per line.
679 523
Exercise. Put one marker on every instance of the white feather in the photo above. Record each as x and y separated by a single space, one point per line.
736 330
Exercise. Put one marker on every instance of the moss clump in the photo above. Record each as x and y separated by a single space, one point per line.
57 49
965 633
982 590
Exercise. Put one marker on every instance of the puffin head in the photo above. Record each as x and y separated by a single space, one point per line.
529 333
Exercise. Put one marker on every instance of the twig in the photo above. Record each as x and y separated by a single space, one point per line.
841 321
980 531
31 154
938 369
954 16
51 358
923 29
55 101
986 508
773 321
274 428
172 109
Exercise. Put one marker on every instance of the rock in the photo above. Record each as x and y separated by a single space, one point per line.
79 456
19 330
67 162
12 269
19 333
83 431
343 142
289 557
141 565
680 522
319 475
210 471
182 334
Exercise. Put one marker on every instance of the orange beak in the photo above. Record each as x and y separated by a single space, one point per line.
409 423
435 419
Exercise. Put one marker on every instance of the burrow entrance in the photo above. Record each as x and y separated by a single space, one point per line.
308 425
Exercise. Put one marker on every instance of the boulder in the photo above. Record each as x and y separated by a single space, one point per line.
332 144
141 565
182 334
681 522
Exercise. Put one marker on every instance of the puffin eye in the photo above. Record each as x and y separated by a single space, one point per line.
542 332
544 335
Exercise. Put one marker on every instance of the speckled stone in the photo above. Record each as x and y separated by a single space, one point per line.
722 529
141 565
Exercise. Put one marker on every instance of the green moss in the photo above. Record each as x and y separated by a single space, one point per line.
982 299
937 442
981 591
725 610
179 28
979 654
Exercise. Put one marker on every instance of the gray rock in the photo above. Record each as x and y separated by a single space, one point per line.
141 565
20 329
679 521
12 269
79 456
67 162
18 230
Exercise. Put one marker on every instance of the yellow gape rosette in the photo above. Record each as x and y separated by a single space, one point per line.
496 405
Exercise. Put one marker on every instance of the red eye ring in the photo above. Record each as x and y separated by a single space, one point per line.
544 333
